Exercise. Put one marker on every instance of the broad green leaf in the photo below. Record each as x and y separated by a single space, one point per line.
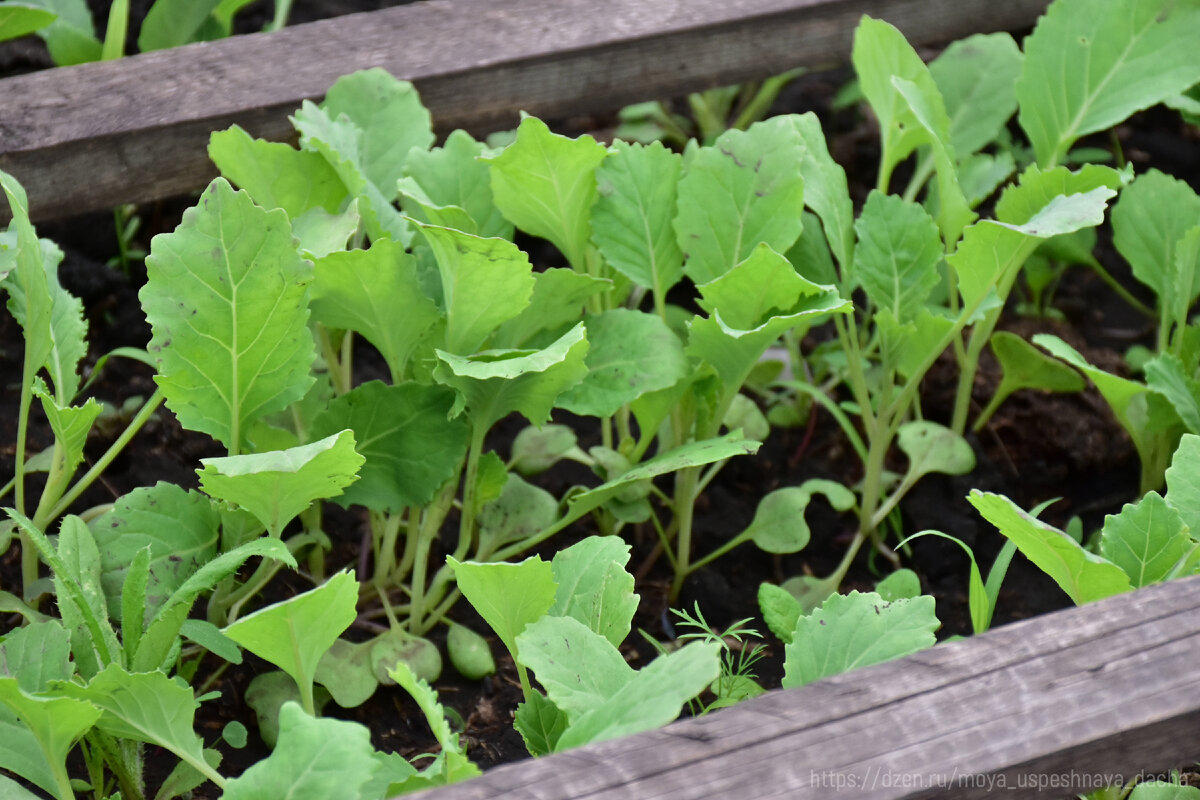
37 733
631 221
1149 220
810 255
780 610
30 300
975 77
1089 64
931 447
146 707
520 511
455 175
321 233
630 353
535 450
267 693
277 485
579 668
20 19
1026 367
508 596
171 23
1183 482
927 107
692 454
779 525
209 636
276 175
558 295
540 723
390 121
652 698
546 185
390 779
1147 539
897 255
744 190
1082 575
495 383
16 791
469 653
225 298
454 766
179 527
826 191
1030 197
314 759
71 425
485 282
71 38
421 207
981 174
856 630
881 53
594 587
903 584
409 445
398 646
294 634
339 141
345 671
375 292
1166 375
1184 278
36 654
906 347
157 642
1162 790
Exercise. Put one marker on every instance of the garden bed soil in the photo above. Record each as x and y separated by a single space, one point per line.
1038 446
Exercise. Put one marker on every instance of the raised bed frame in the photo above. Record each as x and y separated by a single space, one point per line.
1037 708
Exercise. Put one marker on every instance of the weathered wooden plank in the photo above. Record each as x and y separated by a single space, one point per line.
1039 708
134 130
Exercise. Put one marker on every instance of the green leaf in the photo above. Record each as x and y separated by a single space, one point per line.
314 759
455 766
276 486
171 23
267 693
495 383
410 446
652 698
1184 279
37 733
1162 790
161 633
630 353
398 646
881 53
225 298
209 636
1183 482
20 19
856 630
360 290
321 233
931 447
80 594
780 610
1083 576
1108 59
535 450
631 221
779 525
546 185
579 668
294 634
826 191
1166 375
594 587
1147 539
179 527
146 707
29 295
276 175
345 671
469 652
540 723
975 76
520 511
36 654
744 190
71 426
903 584
507 596
71 38
1026 367
485 282
456 175
1150 219
897 256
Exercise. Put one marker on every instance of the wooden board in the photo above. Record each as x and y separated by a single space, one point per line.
91 136
1041 708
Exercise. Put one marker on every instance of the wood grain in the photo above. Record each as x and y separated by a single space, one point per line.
94 135
1041 708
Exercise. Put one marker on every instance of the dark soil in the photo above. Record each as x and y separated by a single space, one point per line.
1037 447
